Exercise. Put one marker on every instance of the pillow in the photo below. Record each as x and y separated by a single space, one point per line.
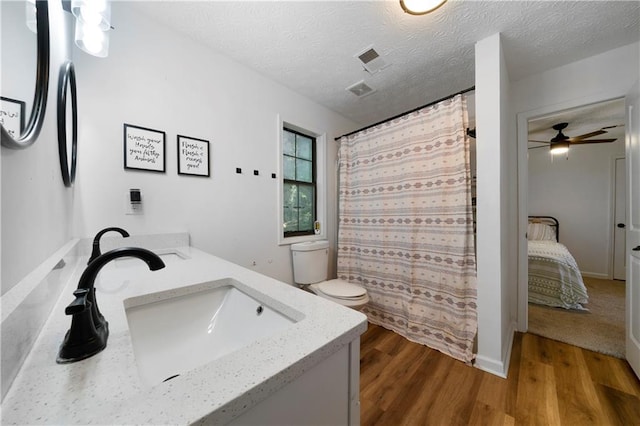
540 231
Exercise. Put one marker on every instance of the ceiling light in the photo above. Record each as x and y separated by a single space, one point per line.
561 147
560 143
420 7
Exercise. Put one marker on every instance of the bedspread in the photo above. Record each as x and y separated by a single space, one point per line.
554 277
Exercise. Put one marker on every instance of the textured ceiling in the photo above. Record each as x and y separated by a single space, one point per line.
310 46
581 121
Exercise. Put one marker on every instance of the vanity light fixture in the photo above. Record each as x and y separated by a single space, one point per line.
420 7
93 22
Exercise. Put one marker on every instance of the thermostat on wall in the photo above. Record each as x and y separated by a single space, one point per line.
134 201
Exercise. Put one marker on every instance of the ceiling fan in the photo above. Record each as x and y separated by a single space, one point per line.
561 142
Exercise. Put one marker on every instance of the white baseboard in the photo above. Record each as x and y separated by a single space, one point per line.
492 366
496 367
595 275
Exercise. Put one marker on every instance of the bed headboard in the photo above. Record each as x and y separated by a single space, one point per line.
547 220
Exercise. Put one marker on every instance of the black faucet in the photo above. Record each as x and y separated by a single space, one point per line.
89 330
96 241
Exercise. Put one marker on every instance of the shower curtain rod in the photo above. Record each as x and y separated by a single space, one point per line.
408 112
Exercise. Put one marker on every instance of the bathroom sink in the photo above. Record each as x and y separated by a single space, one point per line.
177 330
116 275
168 256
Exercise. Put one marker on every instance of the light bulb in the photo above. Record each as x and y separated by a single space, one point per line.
92 39
93 12
90 16
99 5
560 150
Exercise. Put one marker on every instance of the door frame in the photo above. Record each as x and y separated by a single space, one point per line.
614 184
523 119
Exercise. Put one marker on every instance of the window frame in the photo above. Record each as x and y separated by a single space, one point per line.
299 183
319 165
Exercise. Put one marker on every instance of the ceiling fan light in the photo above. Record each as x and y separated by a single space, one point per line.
559 148
420 7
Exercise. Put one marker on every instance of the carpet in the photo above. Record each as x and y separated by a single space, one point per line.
600 329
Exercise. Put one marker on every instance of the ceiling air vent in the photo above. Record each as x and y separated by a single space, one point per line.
360 89
371 60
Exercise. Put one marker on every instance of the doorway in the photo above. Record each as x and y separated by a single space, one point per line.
578 188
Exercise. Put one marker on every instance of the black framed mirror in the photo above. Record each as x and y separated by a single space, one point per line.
34 124
67 84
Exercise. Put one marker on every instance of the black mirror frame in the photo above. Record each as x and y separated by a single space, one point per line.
67 80
34 125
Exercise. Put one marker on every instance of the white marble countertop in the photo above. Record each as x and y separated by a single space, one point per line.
106 388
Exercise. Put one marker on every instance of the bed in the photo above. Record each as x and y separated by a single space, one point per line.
554 277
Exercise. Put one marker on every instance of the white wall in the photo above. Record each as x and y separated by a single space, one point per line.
578 191
36 207
495 207
598 78
157 78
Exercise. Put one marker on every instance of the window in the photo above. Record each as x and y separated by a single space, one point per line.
299 183
302 189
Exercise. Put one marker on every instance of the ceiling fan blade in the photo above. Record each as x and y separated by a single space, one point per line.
588 135
547 142
613 127
541 146
579 142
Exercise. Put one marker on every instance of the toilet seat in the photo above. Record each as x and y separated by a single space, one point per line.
342 290
345 293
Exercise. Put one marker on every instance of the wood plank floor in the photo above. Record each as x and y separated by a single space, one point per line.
549 383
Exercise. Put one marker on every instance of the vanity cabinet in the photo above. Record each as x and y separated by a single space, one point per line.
327 394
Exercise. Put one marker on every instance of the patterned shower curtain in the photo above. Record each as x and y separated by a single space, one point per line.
406 226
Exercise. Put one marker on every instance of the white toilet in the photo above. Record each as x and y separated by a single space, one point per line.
310 261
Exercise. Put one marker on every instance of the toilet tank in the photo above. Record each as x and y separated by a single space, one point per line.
310 261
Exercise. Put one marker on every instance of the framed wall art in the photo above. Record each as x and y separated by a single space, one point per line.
193 156
12 116
144 149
